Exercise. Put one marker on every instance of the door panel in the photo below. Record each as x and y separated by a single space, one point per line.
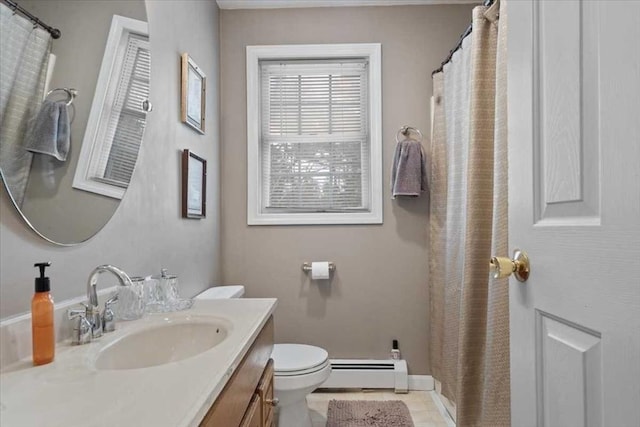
565 60
569 365
574 206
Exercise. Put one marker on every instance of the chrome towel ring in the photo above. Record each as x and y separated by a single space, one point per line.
406 131
71 93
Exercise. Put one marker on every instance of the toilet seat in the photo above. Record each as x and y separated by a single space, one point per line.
298 359
301 372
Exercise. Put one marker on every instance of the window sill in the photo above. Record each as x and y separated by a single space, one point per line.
320 218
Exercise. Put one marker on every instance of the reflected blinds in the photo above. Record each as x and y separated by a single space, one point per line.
314 135
126 123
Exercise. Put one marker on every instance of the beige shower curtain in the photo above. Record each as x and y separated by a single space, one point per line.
469 310
24 54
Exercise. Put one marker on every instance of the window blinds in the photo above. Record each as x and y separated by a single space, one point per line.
314 135
127 119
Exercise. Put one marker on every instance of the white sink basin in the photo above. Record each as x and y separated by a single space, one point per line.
159 343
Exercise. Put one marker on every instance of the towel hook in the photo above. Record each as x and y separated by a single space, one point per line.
71 93
406 131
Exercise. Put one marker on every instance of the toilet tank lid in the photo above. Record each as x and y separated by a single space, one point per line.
222 292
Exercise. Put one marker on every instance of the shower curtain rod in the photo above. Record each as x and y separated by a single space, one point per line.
55 33
459 44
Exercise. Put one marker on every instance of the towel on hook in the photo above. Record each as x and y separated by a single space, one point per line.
409 172
51 131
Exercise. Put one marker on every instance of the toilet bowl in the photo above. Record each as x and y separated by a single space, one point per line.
299 369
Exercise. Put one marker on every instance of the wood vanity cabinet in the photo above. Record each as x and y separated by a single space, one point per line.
246 400
265 395
260 412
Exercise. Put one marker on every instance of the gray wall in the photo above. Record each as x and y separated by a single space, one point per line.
146 232
380 289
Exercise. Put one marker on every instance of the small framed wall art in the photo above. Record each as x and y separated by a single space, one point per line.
194 91
194 186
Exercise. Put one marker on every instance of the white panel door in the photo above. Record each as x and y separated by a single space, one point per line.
574 206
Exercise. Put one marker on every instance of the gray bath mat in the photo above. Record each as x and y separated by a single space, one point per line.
368 413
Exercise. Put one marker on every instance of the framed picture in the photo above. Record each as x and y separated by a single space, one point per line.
194 90
194 185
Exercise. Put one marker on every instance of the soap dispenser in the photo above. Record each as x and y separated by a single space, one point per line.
42 332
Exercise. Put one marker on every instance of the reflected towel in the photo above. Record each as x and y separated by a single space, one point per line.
50 133
409 172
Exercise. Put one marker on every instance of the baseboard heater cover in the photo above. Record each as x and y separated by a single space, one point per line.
365 373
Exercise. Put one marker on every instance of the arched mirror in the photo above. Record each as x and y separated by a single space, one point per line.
67 161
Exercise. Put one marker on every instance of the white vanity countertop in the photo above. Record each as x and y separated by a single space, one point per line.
71 392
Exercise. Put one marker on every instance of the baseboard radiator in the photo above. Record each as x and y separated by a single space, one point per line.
364 373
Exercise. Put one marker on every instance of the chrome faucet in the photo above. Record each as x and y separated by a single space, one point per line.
93 310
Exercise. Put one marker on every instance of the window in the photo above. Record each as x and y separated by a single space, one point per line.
314 146
128 118
118 117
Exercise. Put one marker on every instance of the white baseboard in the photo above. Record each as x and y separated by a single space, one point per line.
448 405
442 409
421 382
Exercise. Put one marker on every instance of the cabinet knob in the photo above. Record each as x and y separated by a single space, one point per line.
272 402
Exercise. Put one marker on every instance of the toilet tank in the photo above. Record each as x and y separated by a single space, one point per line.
221 292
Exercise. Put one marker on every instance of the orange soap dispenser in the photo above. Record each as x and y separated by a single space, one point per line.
42 333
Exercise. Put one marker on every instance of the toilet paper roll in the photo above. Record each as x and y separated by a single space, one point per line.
319 270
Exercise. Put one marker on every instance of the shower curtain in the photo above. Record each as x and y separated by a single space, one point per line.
469 310
24 53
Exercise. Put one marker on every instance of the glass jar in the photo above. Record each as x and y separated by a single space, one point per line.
162 294
130 304
169 288
154 299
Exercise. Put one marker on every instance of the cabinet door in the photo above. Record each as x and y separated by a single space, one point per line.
231 405
265 391
252 416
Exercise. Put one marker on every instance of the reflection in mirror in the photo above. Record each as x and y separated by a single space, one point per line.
103 55
117 120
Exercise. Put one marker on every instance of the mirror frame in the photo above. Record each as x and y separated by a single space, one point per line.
31 226
100 227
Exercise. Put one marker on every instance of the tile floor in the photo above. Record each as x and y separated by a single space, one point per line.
424 410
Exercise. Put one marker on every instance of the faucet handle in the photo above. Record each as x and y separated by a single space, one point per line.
81 327
112 300
74 313
108 317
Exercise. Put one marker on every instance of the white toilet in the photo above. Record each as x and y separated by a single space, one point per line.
298 369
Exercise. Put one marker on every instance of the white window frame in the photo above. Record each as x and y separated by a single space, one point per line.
108 76
255 54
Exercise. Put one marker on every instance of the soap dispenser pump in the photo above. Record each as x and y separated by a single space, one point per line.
42 332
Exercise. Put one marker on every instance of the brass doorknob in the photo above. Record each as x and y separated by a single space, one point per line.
503 267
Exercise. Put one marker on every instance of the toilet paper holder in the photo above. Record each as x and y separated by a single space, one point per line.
306 267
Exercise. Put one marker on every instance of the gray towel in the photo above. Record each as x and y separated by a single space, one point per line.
51 131
409 173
